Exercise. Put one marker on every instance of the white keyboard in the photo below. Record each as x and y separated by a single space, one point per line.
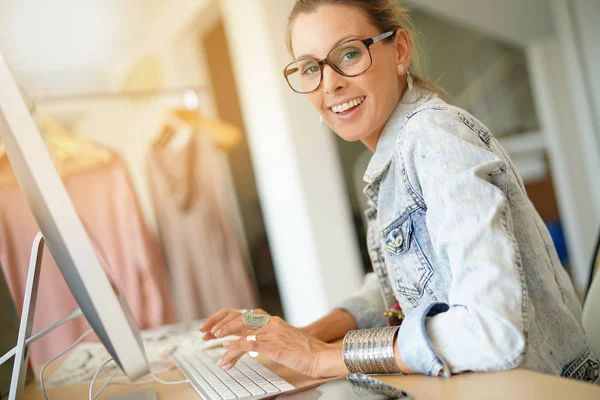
247 380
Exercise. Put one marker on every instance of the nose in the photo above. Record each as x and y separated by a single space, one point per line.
332 81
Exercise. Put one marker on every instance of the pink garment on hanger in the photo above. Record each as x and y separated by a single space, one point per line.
108 208
197 229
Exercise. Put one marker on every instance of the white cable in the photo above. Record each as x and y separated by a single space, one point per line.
57 356
154 379
108 381
157 379
91 389
75 314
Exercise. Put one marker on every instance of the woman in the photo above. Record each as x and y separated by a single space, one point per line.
454 240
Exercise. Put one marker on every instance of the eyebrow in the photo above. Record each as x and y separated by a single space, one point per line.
341 40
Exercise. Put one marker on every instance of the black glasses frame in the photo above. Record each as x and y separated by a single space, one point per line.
367 42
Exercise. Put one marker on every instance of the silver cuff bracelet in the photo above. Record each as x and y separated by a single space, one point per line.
371 351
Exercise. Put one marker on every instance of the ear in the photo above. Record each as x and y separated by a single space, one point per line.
402 50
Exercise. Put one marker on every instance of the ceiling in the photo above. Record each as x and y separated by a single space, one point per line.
65 46
64 41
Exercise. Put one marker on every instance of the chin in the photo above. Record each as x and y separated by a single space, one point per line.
350 136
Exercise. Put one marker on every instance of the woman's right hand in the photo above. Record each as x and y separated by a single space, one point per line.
220 318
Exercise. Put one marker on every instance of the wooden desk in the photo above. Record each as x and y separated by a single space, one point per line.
515 384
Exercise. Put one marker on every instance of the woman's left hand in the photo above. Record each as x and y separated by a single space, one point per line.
286 345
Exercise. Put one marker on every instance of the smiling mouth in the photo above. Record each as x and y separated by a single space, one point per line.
345 108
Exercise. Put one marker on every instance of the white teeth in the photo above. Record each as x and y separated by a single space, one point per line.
346 106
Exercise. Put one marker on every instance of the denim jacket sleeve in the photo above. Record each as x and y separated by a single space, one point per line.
367 305
463 183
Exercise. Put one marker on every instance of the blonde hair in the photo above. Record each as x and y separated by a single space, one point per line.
385 15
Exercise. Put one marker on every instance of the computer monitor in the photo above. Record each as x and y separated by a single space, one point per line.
64 233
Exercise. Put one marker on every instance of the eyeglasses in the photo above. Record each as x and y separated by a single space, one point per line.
350 59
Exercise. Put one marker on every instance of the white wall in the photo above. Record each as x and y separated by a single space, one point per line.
515 22
571 26
558 122
586 14
578 82
306 211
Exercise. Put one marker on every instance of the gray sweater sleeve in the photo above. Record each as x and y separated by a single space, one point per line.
366 306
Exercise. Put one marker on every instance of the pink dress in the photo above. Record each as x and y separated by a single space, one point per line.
197 229
108 207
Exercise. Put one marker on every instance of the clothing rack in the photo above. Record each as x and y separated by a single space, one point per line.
125 93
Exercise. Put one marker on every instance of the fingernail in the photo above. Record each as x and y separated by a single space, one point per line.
218 333
228 367
213 330
220 362
226 344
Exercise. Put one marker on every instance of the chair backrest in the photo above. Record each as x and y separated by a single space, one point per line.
591 307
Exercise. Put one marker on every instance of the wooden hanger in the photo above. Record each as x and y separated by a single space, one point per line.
69 153
184 122
32 109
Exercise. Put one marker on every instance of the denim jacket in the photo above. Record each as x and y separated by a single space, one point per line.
455 240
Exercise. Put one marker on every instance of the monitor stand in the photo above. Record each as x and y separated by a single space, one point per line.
144 394
17 383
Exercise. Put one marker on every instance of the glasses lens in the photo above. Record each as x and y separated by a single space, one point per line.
303 76
351 58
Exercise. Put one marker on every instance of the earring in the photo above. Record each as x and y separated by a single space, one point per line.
321 119
401 68
409 80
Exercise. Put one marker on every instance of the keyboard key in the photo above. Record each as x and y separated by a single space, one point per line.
228 380
214 381
269 375
193 374
245 382
258 379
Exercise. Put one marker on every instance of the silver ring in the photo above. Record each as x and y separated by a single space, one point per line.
252 338
255 320
245 311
